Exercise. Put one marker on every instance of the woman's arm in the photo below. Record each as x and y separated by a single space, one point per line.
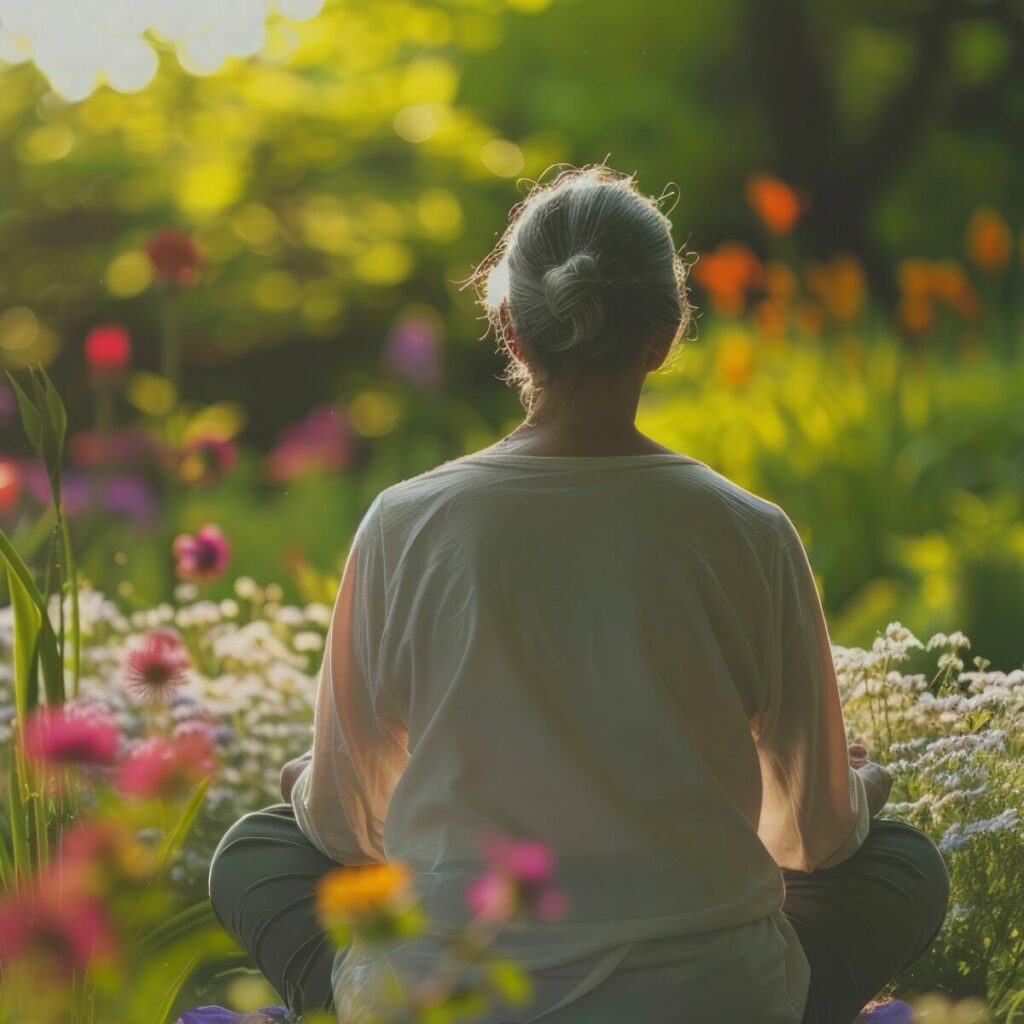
291 771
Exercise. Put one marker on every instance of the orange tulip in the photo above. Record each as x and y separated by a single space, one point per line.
777 204
839 284
728 274
989 240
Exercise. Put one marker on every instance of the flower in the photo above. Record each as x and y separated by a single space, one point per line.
412 350
517 881
777 204
166 769
319 443
157 664
839 284
130 496
52 925
108 349
363 890
202 556
989 241
71 736
892 1011
10 483
98 854
218 1015
206 460
174 256
727 274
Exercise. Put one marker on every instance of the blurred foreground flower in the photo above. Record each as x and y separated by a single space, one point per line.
156 664
175 257
218 1015
164 769
202 556
517 882
70 736
412 350
377 901
892 1011
10 483
108 349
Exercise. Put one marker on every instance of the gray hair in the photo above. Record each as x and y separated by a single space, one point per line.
586 272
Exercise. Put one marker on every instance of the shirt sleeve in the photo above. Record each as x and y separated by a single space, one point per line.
359 735
814 811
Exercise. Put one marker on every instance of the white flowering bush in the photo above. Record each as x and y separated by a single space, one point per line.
250 680
952 736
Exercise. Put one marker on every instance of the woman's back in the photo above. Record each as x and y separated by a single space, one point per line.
574 649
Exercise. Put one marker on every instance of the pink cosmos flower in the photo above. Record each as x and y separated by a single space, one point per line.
518 880
108 349
166 769
157 664
203 556
71 736
320 443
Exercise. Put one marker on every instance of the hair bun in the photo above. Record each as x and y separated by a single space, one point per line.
572 297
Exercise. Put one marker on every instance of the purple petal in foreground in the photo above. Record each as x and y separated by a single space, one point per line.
219 1015
893 1012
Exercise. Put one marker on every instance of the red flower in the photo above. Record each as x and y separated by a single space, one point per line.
57 735
174 256
165 769
157 664
108 349
10 483
204 556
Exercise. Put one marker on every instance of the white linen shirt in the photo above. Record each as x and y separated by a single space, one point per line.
623 656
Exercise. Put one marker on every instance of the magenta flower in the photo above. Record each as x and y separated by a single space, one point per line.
206 460
518 881
71 737
156 665
320 443
167 769
203 556
894 1011
65 930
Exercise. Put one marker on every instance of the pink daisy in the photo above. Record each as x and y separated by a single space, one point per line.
157 664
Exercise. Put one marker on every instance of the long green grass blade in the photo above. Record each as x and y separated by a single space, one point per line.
31 419
16 808
27 628
176 835
49 653
185 922
164 1009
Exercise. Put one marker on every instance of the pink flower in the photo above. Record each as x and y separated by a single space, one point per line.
413 350
174 256
52 926
320 443
108 349
166 769
517 881
157 664
10 483
202 556
75 737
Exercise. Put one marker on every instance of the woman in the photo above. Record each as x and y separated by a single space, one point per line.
581 636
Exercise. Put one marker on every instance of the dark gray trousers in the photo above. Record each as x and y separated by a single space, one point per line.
860 923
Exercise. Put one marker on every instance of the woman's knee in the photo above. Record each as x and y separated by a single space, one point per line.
931 881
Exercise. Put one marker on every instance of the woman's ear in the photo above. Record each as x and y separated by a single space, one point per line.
509 332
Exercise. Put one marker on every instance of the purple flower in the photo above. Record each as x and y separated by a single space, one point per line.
218 1015
76 490
131 497
413 350
895 1011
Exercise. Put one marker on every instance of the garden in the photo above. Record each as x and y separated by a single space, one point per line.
234 307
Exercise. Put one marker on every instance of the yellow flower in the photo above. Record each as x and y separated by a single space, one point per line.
363 890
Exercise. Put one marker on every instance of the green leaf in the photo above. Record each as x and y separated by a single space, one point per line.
185 922
27 629
164 1009
53 426
58 413
176 835
510 981
49 652
31 419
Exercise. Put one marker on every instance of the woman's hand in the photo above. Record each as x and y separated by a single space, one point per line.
291 772
877 778
858 753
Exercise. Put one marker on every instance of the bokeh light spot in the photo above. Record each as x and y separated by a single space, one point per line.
128 274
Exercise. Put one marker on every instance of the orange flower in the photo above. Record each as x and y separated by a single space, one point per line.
363 890
915 313
914 276
989 240
727 274
770 316
777 204
950 284
779 280
839 284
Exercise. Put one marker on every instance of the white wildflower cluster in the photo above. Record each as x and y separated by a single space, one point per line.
252 682
958 836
